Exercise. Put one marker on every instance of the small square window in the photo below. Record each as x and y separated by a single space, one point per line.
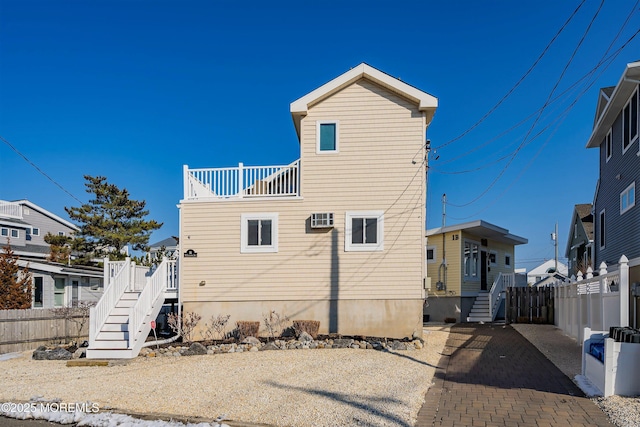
60 233
431 254
4 232
327 137
364 231
492 258
14 233
35 231
259 233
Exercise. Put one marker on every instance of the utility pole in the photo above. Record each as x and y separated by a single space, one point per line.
444 210
554 237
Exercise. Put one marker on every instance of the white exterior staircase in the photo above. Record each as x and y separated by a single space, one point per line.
133 296
487 303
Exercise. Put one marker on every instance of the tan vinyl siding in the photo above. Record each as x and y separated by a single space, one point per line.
380 134
454 263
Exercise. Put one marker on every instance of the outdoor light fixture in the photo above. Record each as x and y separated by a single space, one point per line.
202 283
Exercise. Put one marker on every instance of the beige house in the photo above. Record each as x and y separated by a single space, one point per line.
335 236
468 266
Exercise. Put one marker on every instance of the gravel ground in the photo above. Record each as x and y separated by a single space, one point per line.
328 387
566 354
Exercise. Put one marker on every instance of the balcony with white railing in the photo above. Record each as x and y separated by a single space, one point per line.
242 182
10 209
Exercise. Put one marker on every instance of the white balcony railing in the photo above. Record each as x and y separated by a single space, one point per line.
242 182
10 209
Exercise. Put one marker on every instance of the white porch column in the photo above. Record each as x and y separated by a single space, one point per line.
241 179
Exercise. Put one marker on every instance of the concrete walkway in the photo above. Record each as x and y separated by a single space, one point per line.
490 375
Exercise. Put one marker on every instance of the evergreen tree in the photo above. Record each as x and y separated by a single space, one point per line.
110 221
59 246
15 284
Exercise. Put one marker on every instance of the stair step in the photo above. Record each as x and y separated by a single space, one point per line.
113 336
118 319
130 295
120 311
110 345
110 354
115 327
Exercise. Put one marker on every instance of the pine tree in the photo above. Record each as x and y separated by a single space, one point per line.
15 284
59 247
110 221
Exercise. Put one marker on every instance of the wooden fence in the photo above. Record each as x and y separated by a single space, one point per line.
22 330
529 305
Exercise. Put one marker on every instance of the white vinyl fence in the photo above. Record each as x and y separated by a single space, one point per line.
596 302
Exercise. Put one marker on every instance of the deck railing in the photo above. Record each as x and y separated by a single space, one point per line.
10 209
497 289
119 275
242 181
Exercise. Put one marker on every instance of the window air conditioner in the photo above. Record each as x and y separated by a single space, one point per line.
322 220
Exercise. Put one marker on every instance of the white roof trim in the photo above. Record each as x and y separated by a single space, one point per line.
478 223
425 101
606 118
47 213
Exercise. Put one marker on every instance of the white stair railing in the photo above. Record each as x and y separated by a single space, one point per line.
495 294
113 291
152 291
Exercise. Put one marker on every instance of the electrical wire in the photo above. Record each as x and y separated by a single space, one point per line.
39 170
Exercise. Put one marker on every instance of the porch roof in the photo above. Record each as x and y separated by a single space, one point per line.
483 229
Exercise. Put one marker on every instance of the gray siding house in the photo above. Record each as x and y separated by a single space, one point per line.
23 225
616 134
579 250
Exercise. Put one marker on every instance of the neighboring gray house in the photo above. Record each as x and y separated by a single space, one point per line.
24 224
579 250
616 213
170 245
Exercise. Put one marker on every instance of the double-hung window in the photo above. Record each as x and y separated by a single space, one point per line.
471 260
431 254
630 122
602 229
327 137
364 231
628 198
608 146
259 232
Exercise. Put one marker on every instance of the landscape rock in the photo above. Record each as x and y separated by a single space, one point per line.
197 349
270 346
342 343
251 340
397 345
305 337
55 354
80 353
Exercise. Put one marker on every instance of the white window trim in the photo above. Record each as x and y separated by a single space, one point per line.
435 254
366 247
600 216
624 119
626 191
327 122
495 253
17 236
3 231
470 277
35 231
244 233
608 146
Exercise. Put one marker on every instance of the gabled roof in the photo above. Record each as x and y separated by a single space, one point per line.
45 212
617 99
300 107
581 214
169 242
547 266
483 229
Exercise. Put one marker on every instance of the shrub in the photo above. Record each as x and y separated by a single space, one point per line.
186 325
216 327
309 326
245 328
275 323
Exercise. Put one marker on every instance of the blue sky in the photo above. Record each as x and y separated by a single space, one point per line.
133 90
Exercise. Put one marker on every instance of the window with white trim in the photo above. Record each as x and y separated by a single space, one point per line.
628 198
431 254
507 260
364 231
38 290
259 232
4 232
60 233
327 137
35 231
630 122
608 146
493 258
601 229
15 233
471 260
